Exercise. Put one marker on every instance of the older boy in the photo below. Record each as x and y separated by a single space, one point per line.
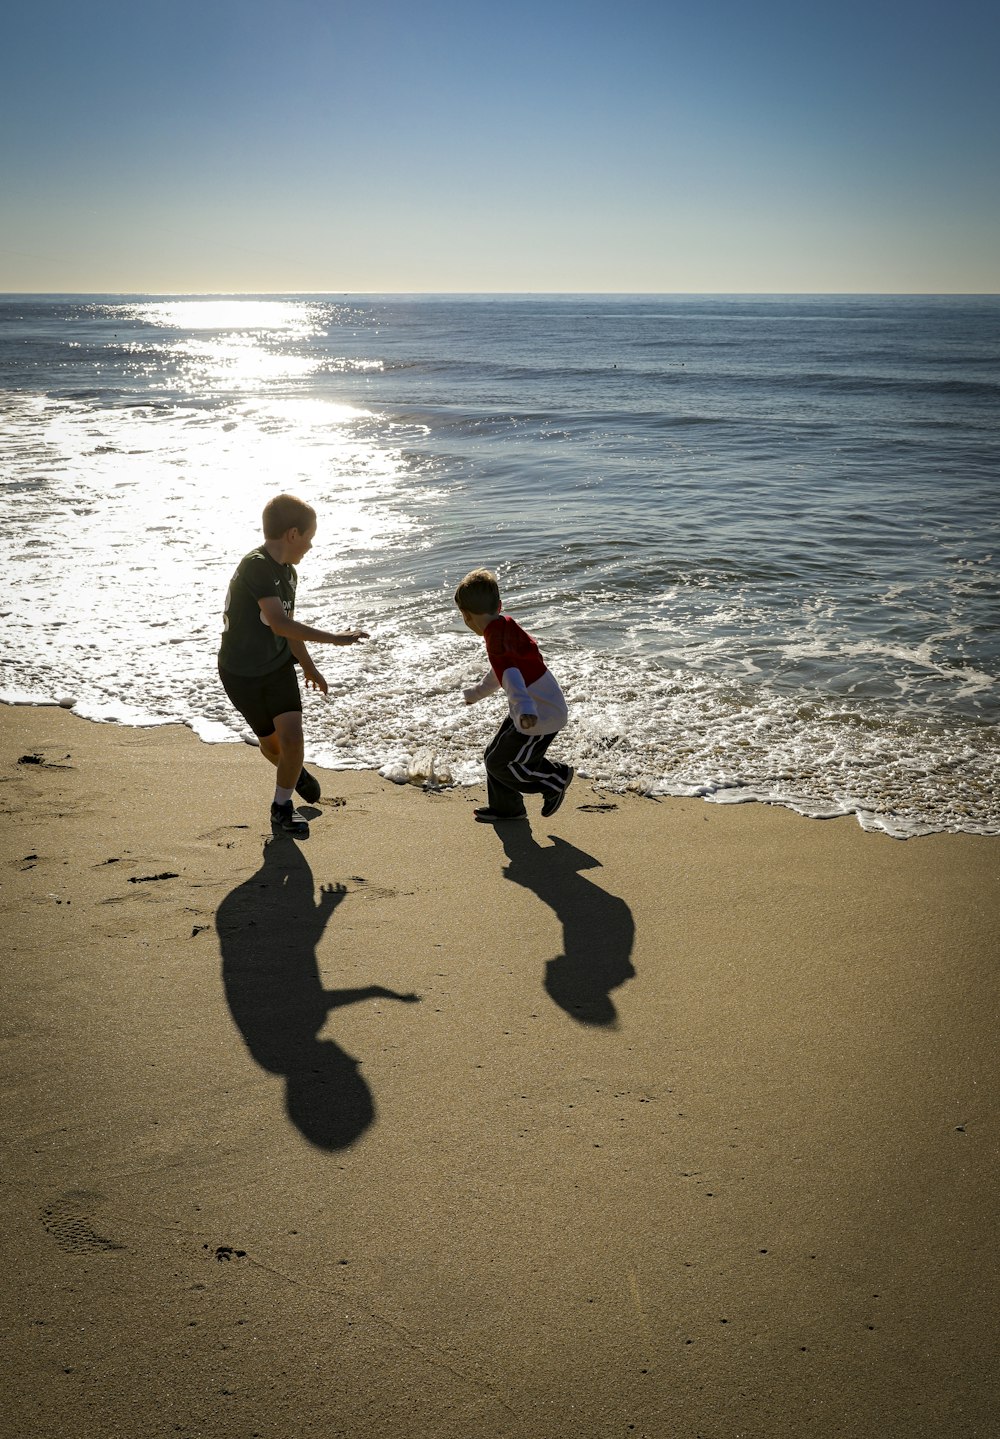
516 762
261 644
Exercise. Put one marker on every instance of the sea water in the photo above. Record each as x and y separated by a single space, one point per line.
756 537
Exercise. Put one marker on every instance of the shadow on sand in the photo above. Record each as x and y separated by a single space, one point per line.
269 928
598 928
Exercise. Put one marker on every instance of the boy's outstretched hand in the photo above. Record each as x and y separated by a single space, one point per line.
351 637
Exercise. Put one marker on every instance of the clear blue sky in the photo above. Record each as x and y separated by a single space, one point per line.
401 145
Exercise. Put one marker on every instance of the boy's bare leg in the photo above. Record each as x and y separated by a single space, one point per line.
291 748
270 748
306 784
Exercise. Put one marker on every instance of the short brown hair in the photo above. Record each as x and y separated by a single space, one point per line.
478 593
285 513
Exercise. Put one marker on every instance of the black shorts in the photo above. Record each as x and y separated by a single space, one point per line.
260 697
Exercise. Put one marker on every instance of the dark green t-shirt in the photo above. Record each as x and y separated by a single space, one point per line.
249 646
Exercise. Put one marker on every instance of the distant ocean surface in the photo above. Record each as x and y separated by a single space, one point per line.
756 537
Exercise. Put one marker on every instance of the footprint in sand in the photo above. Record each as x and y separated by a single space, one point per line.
68 1220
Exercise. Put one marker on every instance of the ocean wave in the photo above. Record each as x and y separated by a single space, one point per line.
872 383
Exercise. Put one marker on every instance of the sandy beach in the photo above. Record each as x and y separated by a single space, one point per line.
653 1120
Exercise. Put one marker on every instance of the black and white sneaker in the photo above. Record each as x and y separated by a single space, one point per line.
286 821
555 800
308 787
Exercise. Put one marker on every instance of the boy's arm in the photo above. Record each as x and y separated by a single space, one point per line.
488 685
521 703
273 614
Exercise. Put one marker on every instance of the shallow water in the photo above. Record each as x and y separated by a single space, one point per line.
755 537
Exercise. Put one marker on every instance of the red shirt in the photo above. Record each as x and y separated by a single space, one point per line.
509 647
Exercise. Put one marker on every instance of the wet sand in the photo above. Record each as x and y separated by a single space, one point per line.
653 1119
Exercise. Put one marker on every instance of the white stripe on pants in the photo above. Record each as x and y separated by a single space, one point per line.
516 765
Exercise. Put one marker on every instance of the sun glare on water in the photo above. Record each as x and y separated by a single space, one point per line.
231 314
232 345
237 362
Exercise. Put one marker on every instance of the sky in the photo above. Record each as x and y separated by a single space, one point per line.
226 146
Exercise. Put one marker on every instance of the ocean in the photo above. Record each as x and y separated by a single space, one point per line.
755 536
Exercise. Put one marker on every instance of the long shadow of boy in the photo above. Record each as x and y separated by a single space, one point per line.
598 928
269 928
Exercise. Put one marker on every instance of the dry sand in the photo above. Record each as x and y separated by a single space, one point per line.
664 1120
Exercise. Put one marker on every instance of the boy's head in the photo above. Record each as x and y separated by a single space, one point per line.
285 513
478 597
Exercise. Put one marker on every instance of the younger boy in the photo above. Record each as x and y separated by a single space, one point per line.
516 762
261 644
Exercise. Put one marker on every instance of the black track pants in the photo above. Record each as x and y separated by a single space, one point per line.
516 765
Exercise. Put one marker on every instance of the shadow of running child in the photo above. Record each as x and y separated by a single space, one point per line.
269 928
598 928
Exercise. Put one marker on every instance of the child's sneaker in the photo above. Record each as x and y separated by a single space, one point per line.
555 800
308 787
284 819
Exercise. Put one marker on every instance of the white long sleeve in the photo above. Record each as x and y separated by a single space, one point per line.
518 695
488 685
544 699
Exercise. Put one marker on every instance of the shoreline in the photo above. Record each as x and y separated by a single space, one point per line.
423 762
664 1115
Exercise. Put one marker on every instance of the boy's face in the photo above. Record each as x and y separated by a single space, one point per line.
298 544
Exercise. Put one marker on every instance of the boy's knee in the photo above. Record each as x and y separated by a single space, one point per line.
288 729
293 744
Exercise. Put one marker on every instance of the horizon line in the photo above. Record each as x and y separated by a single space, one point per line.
533 294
